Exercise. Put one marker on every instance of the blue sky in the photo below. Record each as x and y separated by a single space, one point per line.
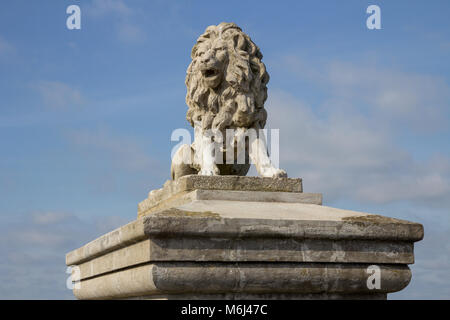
86 117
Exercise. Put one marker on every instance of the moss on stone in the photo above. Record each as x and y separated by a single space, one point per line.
185 213
372 218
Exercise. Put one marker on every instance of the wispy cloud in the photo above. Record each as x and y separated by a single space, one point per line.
130 33
127 30
6 48
345 146
102 8
349 155
33 249
430 270
59 95
121 151
419 101
107 224
45 218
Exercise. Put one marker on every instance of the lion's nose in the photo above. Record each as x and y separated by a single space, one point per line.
206 58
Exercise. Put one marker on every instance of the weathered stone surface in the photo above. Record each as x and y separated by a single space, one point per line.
237 188
267 296
236 183
148 206
121 237
247 249
248 278
240 219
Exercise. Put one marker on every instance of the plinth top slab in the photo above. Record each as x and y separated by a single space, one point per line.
270 189
236 183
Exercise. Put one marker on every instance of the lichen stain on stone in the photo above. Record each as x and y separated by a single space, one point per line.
374 218
185 213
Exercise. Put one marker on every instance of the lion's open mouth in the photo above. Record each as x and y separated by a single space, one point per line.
207 73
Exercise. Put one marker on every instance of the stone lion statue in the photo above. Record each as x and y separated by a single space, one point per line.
226 90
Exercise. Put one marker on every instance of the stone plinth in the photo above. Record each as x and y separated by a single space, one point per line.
195 187
245 237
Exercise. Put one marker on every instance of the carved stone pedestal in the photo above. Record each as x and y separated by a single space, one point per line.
229 237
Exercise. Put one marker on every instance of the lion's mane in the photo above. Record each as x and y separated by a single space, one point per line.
238 102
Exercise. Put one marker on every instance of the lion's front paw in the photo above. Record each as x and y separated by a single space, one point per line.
279 173
209 172
275 173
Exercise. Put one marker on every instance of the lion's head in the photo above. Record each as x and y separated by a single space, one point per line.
226 80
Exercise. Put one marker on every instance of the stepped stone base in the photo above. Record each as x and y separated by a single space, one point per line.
229 237
233 188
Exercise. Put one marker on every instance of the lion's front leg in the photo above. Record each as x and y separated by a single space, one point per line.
205 153
259 155
208 165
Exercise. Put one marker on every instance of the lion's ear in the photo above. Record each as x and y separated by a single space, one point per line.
245 46
240 43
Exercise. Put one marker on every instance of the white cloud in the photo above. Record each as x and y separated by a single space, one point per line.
445 45
107 7
130 33
348 156
347 146
430 278
419 101
413 181
107 224
124 20
6 48
121 151
41 238
59 95
33 249
44 218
